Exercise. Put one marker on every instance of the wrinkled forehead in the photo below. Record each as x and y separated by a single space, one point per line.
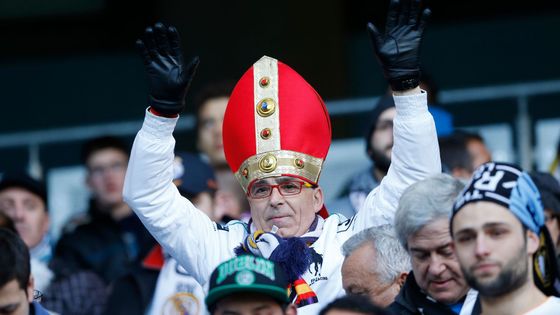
431 236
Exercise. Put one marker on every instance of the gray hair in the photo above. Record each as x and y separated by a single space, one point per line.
391 258
425 202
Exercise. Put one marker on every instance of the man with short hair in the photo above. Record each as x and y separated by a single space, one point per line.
477 149
16 282
375 265
276 136
461 153
106 159
111 239
24 200
247 285
436 284
502 243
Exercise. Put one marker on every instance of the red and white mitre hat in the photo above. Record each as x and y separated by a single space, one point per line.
275 124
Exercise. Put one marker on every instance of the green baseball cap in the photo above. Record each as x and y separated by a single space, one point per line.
247 273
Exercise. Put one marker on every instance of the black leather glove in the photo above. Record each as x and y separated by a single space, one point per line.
168 78
398 49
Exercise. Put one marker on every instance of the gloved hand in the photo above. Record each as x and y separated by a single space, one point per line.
398 49
168 78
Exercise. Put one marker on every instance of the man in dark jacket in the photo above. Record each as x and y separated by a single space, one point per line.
111 239
436 284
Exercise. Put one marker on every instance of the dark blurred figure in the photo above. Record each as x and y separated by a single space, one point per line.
353 305
24 200
17 289
195 181
550 195
442 118
211 104
111 239
160 285
477 149
461 153
7 223
379 144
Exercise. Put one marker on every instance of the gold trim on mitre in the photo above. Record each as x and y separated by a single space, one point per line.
285 163
267 105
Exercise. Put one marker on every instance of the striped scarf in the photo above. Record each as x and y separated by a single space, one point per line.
293 254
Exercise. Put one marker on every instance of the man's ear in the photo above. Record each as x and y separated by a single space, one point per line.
401 279
30 288
533 242
318 200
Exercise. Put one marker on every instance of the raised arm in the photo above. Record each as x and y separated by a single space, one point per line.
184 231
415 153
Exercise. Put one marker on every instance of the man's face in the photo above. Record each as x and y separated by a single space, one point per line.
436 269
15 300
359 277
381 140
478 152
293 215
251 304
492 248
210 121
29 213
106 171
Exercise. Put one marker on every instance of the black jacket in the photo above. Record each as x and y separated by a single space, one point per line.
411 300
102 245
133 293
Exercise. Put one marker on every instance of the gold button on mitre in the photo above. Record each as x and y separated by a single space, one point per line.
266 107
268 163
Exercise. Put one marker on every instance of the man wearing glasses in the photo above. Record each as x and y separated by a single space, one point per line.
276 136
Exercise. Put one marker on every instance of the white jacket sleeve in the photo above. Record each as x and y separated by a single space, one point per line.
185 232
415 156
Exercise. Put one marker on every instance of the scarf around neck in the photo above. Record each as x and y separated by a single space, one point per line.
292 254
